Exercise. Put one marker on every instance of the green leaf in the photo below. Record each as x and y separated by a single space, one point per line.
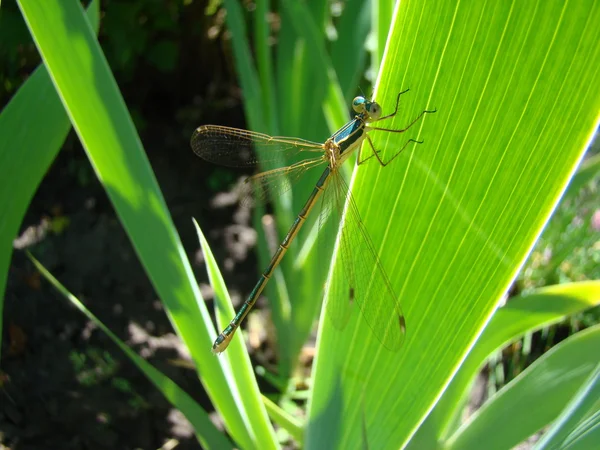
253 103
523 314
455 217
348 55
240 375
303 100
206 432
265 64
284 420
334 104
97 111
382 17
37 125
533 399
582 415
589 170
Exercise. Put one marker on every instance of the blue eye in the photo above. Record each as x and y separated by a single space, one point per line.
358 104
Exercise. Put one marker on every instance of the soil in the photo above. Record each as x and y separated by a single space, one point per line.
67 386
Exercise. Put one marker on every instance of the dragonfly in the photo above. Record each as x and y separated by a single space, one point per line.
367 283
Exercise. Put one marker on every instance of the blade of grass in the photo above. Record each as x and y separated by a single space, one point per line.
259 116
334 105
348 51
265 65
582 415
304 283
241 373
533 399
251 84
284 420
294 310
27 155
523 314
382 14
206 433
589 170
91 97
301 84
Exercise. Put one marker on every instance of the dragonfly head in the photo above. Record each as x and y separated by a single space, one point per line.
369 110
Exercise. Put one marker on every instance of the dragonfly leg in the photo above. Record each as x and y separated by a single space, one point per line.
361 161
376 152
395 110
426 111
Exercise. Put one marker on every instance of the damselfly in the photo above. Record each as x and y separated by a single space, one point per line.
369 286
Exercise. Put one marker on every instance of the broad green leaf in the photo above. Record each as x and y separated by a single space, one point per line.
454 218
533 399
97 111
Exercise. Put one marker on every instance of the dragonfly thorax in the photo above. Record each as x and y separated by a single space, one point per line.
333 153
338 150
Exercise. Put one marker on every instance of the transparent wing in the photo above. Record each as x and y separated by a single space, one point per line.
339 290
367 284
239 148
274 182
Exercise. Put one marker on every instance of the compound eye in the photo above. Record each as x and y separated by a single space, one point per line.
374 111
358 104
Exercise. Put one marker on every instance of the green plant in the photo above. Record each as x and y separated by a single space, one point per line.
453 220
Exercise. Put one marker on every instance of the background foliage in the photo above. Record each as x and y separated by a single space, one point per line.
453 220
